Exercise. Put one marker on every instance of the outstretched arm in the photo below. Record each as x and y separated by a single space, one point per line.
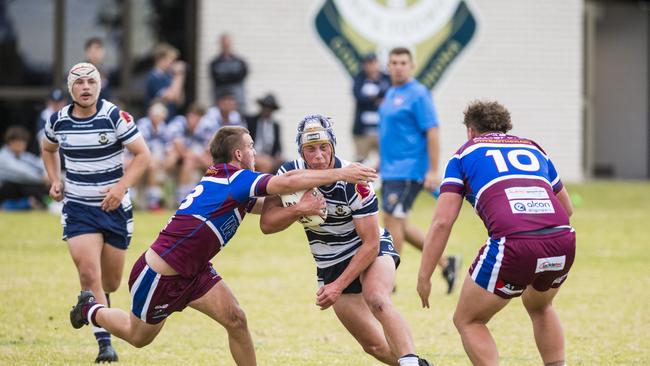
300 179
435 242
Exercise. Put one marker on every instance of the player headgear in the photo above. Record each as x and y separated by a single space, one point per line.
83 69
315 129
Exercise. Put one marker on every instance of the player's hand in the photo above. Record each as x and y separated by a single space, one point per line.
327 295
424 289
56 191
311 203
114 195
358 173
431 180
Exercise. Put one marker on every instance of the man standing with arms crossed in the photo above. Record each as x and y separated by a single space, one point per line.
408 148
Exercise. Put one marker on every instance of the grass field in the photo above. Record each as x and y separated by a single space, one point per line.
604 306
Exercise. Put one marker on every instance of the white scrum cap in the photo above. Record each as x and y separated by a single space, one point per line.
83 69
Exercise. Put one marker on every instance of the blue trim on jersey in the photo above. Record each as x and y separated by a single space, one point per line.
92 153
142 292
180 241
335 256
101 158
96 178
129 135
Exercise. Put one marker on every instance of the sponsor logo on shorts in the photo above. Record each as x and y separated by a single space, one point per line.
532 206
560 279
550 264
509 288
516 193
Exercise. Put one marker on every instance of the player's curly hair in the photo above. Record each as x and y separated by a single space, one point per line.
224 143
486 116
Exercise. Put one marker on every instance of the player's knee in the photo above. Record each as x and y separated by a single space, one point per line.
376 350
89 275
377 302
141 342
111 285
236 319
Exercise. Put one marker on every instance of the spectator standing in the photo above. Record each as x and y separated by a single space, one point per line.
167 79
95 52
369 88
265 131
409 149
229 71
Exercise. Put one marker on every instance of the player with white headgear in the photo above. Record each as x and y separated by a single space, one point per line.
97 216
354 256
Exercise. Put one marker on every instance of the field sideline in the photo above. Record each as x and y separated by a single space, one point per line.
604 305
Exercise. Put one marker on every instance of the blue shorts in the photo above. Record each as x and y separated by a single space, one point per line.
331 273
116 226
397 196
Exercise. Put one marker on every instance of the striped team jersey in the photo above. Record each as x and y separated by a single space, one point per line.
336 239
93 150
157 137
209 217
509 181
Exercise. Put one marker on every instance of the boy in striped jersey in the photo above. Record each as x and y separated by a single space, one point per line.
97 218
176 272
515 189
355 257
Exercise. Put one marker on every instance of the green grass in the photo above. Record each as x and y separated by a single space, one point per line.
604 305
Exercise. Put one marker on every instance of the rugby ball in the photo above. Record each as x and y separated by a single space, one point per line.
291 199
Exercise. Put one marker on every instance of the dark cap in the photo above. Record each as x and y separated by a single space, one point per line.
56 95
370 56
269 101
226 93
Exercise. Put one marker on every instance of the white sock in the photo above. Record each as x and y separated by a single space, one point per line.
408 360
91 311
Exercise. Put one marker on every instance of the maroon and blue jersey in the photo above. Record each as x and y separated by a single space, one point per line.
509 181
209 217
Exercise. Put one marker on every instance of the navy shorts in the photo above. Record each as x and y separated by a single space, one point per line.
397 196
155 297
330 274
508 265
116 226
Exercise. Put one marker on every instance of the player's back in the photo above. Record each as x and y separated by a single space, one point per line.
510 181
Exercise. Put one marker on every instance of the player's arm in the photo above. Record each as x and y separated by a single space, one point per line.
141 156
50 156
435 241
368 229
276 218
301 179
432 179
565 200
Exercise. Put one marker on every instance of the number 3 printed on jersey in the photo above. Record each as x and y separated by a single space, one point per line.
187 202
514 160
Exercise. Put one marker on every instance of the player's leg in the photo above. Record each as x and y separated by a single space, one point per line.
117 321
475 308
220 304
356 317
377 282
549 335
112 262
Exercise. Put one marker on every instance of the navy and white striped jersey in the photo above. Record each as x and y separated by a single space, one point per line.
93 150
157 137
336 239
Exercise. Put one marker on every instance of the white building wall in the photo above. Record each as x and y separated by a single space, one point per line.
526 54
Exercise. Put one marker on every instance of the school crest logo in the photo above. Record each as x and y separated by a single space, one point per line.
103 138
436 30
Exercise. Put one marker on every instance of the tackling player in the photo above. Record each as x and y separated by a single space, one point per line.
355 257
175 272
97 213
516 191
